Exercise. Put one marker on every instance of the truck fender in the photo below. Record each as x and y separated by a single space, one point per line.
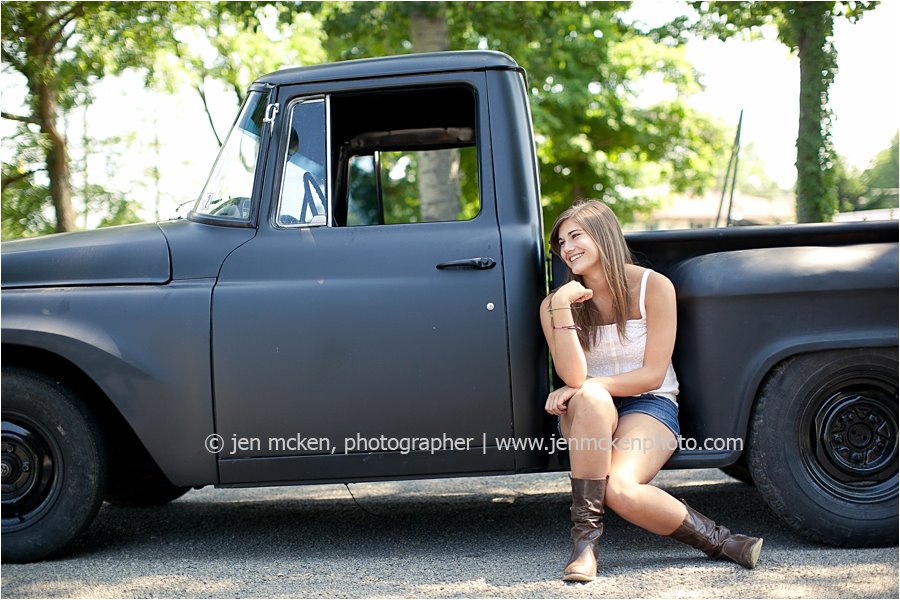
121 339
742 312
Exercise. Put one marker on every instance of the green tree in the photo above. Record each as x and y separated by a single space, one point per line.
752 178
806 28
849 186
61 48
234 43
588 73
884 172
26 206
873 188
412 27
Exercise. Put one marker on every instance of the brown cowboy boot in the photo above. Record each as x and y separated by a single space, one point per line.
717 541
587 527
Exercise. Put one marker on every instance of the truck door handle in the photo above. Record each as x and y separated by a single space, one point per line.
468 263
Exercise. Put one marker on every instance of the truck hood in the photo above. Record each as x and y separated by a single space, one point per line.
130 254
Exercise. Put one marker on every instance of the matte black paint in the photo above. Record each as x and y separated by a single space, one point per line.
130 254
409 64
198 250
758 307
357 331
193 328
146 347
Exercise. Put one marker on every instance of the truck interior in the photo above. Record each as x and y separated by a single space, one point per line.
397 150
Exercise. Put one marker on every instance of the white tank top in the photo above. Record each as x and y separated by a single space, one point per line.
612 356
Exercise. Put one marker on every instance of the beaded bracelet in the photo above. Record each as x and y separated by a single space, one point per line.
550 309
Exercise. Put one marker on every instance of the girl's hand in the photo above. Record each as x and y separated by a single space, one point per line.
558 400
571 293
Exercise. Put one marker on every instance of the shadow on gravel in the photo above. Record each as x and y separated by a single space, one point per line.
404 526
487 537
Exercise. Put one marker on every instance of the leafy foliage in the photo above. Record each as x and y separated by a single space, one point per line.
400 195
884 173
850 189
235 43
26 193
62 49
602 128
806 28
876 187
597 133
752 178
72 44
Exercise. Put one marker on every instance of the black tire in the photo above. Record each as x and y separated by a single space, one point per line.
54 466
142 486
739 471
822 446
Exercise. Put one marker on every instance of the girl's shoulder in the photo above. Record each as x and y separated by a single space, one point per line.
659 287
659 290
659 281
636 274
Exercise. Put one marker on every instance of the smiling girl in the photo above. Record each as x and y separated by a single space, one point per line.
611 332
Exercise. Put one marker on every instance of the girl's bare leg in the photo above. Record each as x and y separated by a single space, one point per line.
588 424
642 446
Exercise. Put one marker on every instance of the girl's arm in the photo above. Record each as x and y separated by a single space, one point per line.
661 326
561 335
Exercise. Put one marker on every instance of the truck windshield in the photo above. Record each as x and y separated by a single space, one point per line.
229 188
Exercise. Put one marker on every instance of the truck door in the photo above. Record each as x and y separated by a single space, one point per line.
362 333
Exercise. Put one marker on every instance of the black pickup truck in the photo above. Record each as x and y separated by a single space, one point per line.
321 315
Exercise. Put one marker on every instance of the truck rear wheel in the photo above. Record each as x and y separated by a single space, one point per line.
823 445
54 466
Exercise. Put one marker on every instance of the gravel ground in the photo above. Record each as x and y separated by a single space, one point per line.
476 537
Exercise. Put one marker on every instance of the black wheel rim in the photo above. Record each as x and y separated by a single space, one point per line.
849 435
30 472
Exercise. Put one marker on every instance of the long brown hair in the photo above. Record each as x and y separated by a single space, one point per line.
599 222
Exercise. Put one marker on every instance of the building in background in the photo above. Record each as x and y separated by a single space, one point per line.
686 211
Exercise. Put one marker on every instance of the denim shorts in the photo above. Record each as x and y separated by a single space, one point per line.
662 409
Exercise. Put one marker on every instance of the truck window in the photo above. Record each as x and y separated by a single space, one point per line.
304 189
405 156
229 188
384 186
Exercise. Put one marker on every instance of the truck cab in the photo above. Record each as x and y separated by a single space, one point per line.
362 306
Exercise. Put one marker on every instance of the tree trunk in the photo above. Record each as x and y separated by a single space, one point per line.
428 28
40 75
85 146
578 189
438 178
816 193
57 158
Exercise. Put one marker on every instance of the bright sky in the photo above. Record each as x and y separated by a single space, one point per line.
759 77
763 78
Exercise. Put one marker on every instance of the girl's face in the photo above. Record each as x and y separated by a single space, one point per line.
580 253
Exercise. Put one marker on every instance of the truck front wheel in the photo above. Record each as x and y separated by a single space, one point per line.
54 466
823 445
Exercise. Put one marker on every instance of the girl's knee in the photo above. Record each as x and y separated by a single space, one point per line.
621 493
592 401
